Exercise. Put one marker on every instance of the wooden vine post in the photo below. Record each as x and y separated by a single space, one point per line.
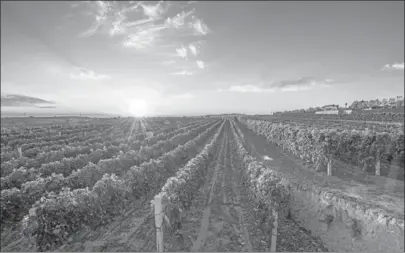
329 150
274 232
378 167
20 154
381 143
159 222
329 168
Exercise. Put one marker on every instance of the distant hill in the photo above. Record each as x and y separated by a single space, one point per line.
14 100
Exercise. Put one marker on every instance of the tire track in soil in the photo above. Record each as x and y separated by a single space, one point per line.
194 216
228 225
202 236
235 179
247 206
227 215
228 201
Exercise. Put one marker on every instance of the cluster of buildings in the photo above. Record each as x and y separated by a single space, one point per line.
333 109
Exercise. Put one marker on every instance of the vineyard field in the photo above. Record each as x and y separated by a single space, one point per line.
226 184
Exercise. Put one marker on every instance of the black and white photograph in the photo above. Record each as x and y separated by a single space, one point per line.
202 126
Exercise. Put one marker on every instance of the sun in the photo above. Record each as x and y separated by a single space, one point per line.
138 107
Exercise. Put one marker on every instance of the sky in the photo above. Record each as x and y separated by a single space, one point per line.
189 58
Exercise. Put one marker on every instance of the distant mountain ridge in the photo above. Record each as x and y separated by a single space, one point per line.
15 100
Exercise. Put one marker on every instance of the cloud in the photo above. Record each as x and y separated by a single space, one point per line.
395 66
100 14
18 100
200 28
303 83
182 52
193 49
117 27
179 20
200 64
153 11
182 73
300 84
249 89
399 66
141 26
82 73
137 23
112 18
140 40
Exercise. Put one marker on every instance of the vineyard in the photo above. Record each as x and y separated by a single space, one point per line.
201 184
378 149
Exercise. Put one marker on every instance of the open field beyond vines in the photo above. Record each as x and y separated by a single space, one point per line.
226 184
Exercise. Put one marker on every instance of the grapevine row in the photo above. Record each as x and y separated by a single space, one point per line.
67 165
57 216
87 176
47 157
264 185
69 159
32 149
316 146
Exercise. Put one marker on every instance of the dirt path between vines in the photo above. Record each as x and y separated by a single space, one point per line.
381 192
205 220
220 217
230 222
223 225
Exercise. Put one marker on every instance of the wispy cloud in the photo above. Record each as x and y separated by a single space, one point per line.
194 47
249 88
141 40
200 28
81 73
152 28
153 11
114 18
179 20
304 83
182 73
117 27
200 64
182 52
395 66
100 12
